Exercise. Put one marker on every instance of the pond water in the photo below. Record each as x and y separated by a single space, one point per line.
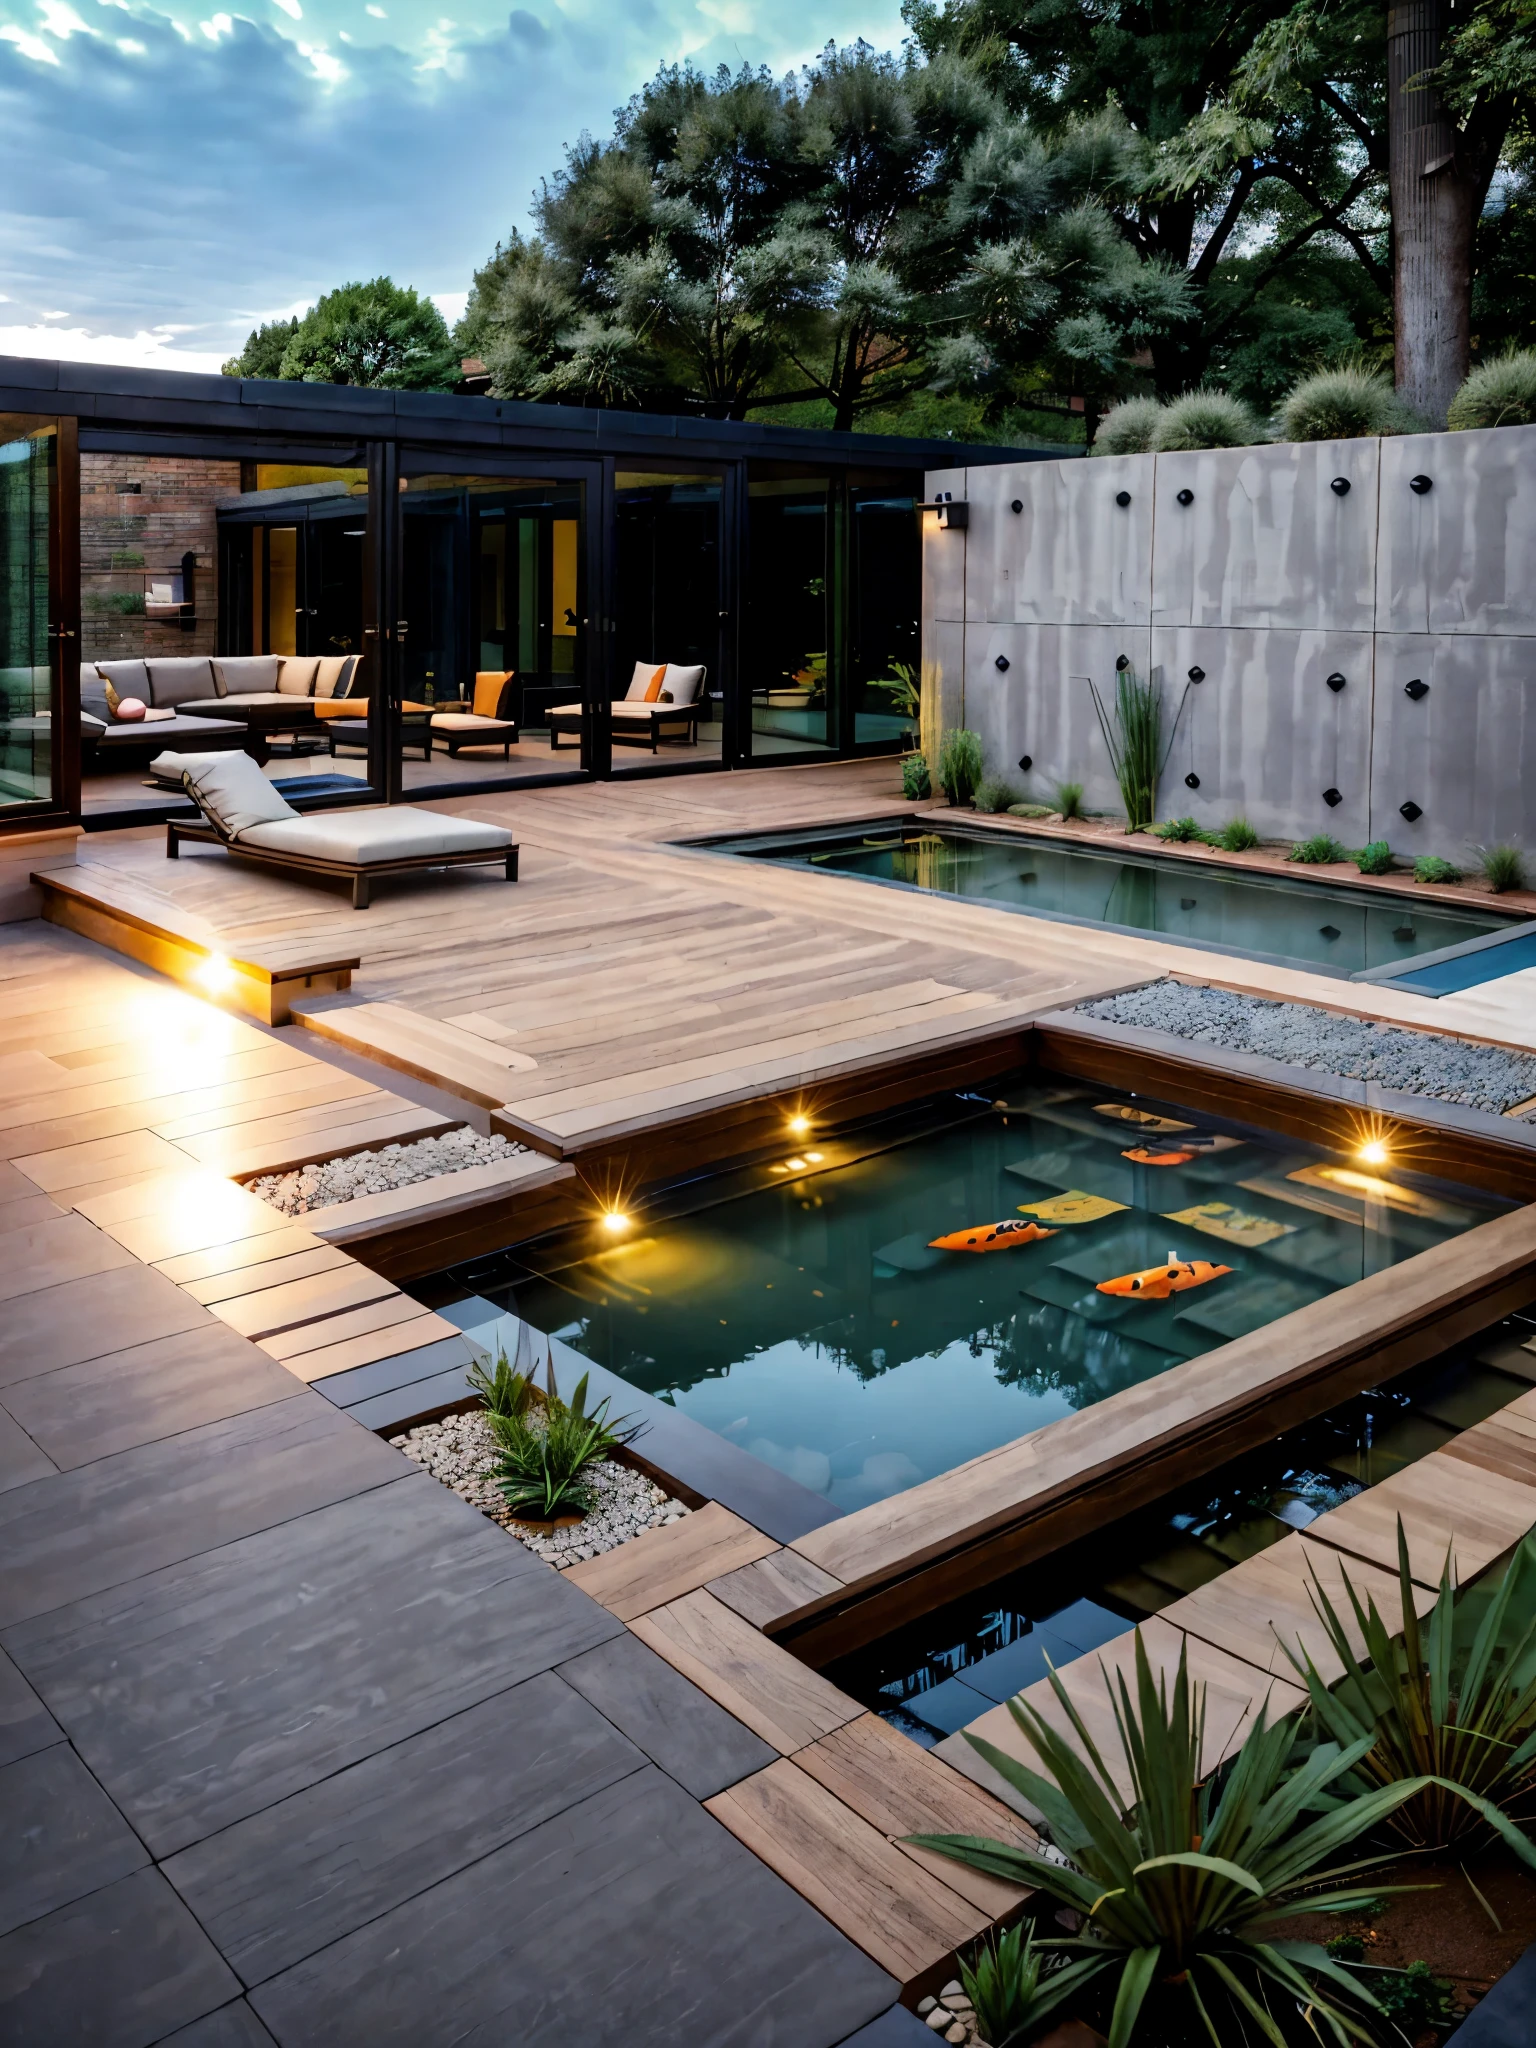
811 1320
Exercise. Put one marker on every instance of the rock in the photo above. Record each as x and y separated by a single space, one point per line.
957 2034
925 2006
952 1990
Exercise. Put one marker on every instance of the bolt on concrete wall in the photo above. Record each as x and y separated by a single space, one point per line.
1319 619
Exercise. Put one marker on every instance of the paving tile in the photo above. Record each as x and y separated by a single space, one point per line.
53 1253
88 1411
208 1691
279 1886
21 1459
100 1525
628 1921
389 1375
678 1727
26 1210
60 1836
895 2028
118 1969
25 1723
232 2026
86 1318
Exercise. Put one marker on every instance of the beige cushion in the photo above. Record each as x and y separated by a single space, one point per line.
468 721
683 685
641 680
179 679
231 791
296 675
238 675
360 838
334 673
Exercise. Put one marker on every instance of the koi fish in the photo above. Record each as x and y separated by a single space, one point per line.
1143 1155
990 1237
1156 1283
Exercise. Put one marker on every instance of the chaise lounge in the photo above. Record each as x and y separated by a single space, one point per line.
663 701
243 813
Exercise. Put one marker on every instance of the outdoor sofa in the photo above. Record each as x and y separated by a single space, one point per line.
259 693
663 701
242 812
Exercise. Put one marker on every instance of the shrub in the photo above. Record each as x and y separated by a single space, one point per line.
1129 428
1503 867
959 765
1429 867
1014 1986
1205 419
1415 1999
1449 1702
1069 799
1375 859
1180 829
1236 836
1163 1911
1497 394
1029 811
993 794
915 783
1342 405
1318 851
1132 739
543 1447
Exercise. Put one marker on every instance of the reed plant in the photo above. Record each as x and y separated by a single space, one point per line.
1069 800
993 794
960 765
1503 867
1132 735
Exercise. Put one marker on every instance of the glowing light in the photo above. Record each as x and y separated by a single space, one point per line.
795 1165
1374 1152
215 976
798 1126
814 1158
615 1220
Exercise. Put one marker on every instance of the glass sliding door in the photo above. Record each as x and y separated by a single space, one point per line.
669 604
884 613
790 659
38 636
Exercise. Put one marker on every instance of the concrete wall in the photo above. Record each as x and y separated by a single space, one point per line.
1270 581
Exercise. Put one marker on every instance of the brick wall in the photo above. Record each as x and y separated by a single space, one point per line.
126 534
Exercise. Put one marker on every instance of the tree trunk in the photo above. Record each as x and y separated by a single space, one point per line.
1435 199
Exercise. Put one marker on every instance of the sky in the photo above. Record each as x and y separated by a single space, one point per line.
170 178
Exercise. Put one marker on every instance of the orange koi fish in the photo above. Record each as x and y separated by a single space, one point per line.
1143 1155
1156 1283
989 1237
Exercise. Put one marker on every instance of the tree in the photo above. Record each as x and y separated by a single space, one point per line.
262 355
379 333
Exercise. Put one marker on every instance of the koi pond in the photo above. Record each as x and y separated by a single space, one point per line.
803 1308
1224 909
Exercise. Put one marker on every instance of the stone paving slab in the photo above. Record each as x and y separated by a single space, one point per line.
25 1723
60 1836
90 1318
680 1728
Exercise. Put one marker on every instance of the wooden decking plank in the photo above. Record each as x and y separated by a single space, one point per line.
235 1255
773 1586
387 1313
664 1564
72 1166
1446 1507
777 1696
247 1280
419 1330
895 1911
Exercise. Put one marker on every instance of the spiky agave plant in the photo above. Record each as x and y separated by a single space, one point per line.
1181 1890
1449 1702
545 1445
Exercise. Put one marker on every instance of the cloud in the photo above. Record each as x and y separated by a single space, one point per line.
233 166
76 345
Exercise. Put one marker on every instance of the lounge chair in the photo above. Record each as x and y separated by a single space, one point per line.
415 731
663 701
480 723
243 813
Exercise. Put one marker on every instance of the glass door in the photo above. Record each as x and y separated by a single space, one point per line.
39 619
791 662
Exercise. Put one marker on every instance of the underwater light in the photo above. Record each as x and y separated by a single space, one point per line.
614 1219
1374 1152
214 975
799 1125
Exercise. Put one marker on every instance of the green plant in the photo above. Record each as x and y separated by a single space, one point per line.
1497 394
1183 830
915 784
1069 799
1205 419
1375 859
901 685
1129 428
1449 1702
1429 867
1181 1888
1342 405
1503 867
959 765
1415 1999
1132 738
1236 836
1014 1986
993 794
1029 810
545 1445
1318 851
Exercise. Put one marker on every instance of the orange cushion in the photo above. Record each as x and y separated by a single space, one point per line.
489 684
653 689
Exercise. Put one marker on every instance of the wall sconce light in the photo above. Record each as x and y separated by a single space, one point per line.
1335 682
1017 505
1191 780
1026 762
1001 664
1416 689
1186 496
1122 497
1410 811
1340 487
1332 799
1122 663
1420 484
1197 675
953 516
1328 931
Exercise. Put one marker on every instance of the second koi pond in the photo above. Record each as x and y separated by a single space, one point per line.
802 1308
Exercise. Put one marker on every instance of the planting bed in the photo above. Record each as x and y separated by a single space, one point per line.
325 1182
458 1452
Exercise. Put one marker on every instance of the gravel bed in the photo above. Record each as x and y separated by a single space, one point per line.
371 1173
459 1450
950 2016
1417 1062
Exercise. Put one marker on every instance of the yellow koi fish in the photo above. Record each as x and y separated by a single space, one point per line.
989 1237
1156 1283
